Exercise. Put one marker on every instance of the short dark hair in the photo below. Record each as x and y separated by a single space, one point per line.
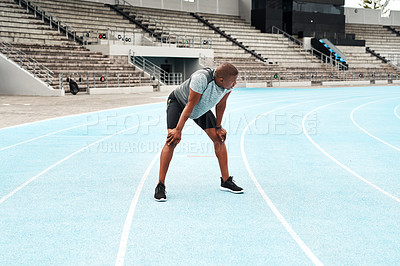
226 70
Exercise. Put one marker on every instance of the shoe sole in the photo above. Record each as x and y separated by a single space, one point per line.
230 190
160 200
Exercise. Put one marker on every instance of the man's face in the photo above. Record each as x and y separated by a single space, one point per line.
228 83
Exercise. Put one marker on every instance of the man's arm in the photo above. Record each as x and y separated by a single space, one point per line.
219 110
175 134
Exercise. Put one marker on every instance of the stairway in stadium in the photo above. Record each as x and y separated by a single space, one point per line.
63 55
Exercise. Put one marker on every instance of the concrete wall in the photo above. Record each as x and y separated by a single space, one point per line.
227 7
15 80
370 16
108 48
186 66
245 10
182 60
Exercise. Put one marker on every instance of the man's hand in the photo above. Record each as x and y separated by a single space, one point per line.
174 137
221 133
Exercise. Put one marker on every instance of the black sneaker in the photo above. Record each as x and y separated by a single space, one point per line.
159 194
229 185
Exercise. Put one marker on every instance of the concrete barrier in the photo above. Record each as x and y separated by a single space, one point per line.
346 83
129 90
251 85
291 84
15 80
383 82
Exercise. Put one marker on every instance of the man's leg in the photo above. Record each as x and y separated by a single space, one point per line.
220 152
165 159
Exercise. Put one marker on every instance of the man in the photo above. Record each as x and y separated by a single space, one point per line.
194 99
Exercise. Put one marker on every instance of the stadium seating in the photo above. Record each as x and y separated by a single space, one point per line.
276 48
183 24
378 38
91 19
87 17
361 61
62 55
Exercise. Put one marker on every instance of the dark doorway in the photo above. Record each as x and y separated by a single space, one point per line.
166 67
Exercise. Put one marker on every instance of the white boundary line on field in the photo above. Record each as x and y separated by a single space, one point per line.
364 130
66 158
66 129
88 113
395 111
129 218
270 204
335 160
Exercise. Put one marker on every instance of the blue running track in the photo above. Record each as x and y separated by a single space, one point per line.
320 169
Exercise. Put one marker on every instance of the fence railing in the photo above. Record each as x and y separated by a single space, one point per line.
131 37
47 17
93 80
394 59
160 33
328 61
248 76
24 61
155 71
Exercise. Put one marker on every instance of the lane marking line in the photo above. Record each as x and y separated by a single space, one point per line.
395 111
336 161
49 134
66 129
367 132
66 158
129 218
87 113
271 205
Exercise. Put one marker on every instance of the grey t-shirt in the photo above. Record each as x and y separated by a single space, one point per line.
211 94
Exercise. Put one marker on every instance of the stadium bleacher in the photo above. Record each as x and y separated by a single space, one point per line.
62 55
378 38
90 20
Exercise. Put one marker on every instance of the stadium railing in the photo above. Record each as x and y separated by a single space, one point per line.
328 61
24 61
155 71
159 33
53 21
250 77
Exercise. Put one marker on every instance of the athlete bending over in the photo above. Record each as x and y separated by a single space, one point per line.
194 99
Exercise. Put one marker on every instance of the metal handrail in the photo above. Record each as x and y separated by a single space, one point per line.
312 76
52 20
24 61
394 58
327 60
182 41
155 71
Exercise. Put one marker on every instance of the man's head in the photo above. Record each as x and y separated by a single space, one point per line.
226 75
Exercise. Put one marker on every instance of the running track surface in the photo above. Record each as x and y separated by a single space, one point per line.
320 169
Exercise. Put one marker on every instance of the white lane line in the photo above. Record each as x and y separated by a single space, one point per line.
87 124
128 221
395 111
66 158
87 113
66 129
336 161
271 205
129 218
364 130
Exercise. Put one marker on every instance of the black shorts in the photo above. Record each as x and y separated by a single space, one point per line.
174 111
